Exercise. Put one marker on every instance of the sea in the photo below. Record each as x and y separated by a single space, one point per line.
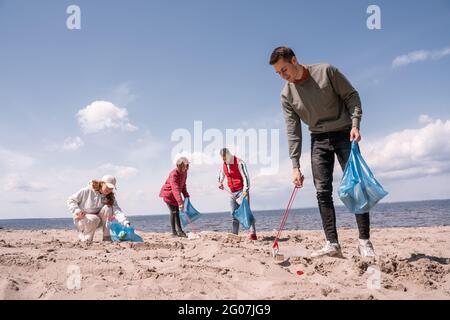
385 215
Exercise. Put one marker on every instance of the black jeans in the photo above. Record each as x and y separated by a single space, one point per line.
324 147
175 218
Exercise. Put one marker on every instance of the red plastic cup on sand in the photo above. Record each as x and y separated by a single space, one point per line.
300 272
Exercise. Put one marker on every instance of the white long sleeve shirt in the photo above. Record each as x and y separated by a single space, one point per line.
91 202
242 170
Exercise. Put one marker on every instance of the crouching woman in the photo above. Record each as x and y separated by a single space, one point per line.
95 207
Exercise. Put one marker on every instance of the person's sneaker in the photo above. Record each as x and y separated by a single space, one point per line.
253 236
365 249
84 238
81 237
330 249
182 234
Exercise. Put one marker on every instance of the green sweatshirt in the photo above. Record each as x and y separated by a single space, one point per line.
326 101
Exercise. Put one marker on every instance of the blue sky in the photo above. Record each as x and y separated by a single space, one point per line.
169 63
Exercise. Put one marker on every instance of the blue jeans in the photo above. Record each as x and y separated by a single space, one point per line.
234 205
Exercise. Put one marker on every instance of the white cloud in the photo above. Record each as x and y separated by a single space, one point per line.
118 171
425 119
421 55
146 150
198 158
101 115
16 182
72 144
440 54
23 202
123 95
410 58
11 160
411 153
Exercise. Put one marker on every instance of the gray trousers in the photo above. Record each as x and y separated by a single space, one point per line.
234 205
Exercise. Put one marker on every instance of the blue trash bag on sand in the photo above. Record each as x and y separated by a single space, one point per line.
120 232
244 214
190 211
359 190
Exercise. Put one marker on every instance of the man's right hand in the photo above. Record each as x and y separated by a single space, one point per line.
81 215
181 208
220 184
297 177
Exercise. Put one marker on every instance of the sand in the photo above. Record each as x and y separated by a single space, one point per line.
413 263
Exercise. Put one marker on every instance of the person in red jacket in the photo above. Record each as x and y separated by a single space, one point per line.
171 191
235 170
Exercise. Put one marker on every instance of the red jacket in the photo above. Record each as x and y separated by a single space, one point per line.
234 177
174 186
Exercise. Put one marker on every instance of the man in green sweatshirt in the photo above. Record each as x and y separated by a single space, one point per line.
321 97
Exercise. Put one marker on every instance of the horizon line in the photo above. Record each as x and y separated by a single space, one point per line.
218 212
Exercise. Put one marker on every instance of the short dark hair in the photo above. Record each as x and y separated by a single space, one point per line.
284 53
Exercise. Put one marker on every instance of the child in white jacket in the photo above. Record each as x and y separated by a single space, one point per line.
95 206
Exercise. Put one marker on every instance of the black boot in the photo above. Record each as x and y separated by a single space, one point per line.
181 234
180 231
172 223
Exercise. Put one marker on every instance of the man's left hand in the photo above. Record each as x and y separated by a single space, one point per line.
244 194
355 135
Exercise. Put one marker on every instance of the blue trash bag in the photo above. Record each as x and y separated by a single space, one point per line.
359 190
120 232
190 211
244 215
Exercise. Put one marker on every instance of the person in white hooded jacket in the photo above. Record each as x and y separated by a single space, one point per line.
95 207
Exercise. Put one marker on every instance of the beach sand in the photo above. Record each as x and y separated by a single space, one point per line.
413 263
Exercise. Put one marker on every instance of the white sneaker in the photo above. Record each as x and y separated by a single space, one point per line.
81 236
365 249
330 249
84 237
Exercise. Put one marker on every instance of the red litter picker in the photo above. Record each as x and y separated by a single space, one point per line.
279 258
